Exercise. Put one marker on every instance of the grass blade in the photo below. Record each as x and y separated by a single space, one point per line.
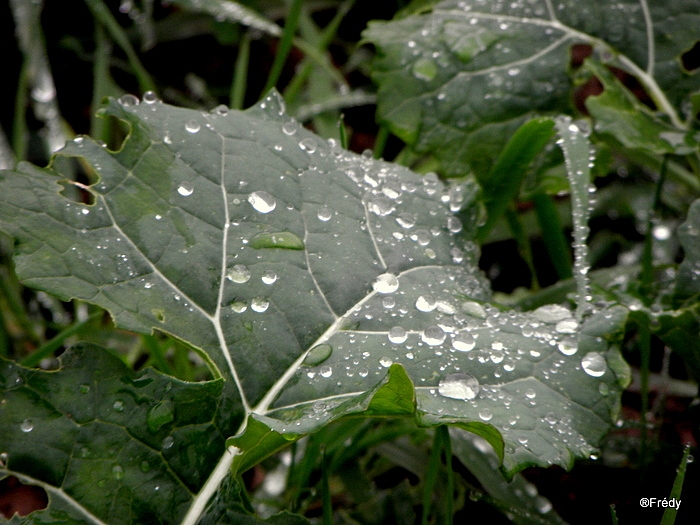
285 45
669 516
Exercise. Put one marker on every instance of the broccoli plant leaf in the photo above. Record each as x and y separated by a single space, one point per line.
316 282
458 79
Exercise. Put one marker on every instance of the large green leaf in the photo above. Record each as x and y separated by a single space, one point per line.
318 283
458 80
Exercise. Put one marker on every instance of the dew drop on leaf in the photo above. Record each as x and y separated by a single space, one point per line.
463 342
406 220
269 277
593 364
318 354
262 201
185 189
259 304
192 126
485 414
567 326
386 283
84 388
326 371
118 471
128 100
424 69
385 361
167 442
239 306
3 459
324 214
426 303
27 425
290 128
238 274
381 206
161 414
308 145
459 386
397 335
118 405
568 347
149 97
433 336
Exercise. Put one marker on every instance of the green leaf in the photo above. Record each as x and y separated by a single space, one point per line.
619 113
688 280
106 443
458 80
379 309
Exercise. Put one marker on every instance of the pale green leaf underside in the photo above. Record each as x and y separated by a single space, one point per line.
458 80
258 243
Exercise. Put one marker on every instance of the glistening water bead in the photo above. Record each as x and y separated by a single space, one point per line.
459 386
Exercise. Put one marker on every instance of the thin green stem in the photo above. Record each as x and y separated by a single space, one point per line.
240 73
380 142
285 45
48 348
553 235
326 490
103 15
518 232
431 475
19 124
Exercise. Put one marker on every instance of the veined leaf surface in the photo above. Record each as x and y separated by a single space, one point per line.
319 283
459 79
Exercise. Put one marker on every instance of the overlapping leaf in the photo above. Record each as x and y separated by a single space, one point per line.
458 80
318 283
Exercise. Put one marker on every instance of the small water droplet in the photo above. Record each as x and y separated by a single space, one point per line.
568 347
4 457
167 442
128 100
239 306
238 274
485 414
269 277
454 225
259 304
118 405
290 128
530 393
308 145
185 189
192 126
84 388
567 326
221 109
397 335
463 342
385 361
145 466
459 386
324 214
426 303
433 336
381 206
385 283
262 201
149 97
593 364
27 425
117 472
326 371
406 220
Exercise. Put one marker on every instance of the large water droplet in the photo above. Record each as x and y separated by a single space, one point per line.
593 364
385 283
239 306
567 326
318 354
454 225
397 335
326 371
269 277
238 274
459 386
324 214
259 304
406 220
262 201
27 425
185 189
568 347
433 336
381 206
192 126
551 313
426 303
128 100
277 240
290 128
385 361
463 342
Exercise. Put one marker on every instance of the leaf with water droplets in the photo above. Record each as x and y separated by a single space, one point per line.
458 77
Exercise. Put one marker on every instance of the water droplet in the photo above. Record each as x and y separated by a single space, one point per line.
167 442
128 100
84 389
567 326
543 505
192 126
530 393
27 425
406 220
290 128
463 342
397 335
262 201
308 145
363 372
161 414
324 214
381 206
568 347
259 304
238 274
388 302
385 283
269 277
185 189
118 405
4 457
118 472
145 466
485 414
424 69
385 361
149 97
318 354
426 303
433 336
221 109
239 306
326 371
277 240
593 364
551 313
459 386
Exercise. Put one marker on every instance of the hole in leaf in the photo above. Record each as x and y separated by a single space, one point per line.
77 192
159 314
21 499
691 58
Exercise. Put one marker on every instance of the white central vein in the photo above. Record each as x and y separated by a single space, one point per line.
651 49
371 234
310 270
216 320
